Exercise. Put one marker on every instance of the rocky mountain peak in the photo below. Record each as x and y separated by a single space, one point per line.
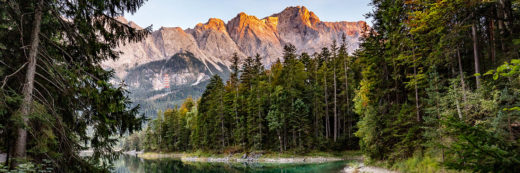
242 20
175 29
125 21
214 24
188 58
243 15
255 36
298 14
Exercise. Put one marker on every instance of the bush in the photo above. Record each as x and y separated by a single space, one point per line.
29 167
481 150
419 164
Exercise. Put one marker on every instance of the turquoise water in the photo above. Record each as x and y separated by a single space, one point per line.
132 164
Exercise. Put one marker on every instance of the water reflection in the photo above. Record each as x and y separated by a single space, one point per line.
132 164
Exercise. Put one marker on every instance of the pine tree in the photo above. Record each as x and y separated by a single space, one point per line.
325 56
53 69
233 85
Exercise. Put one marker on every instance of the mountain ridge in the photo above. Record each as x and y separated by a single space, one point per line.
212 44
244 34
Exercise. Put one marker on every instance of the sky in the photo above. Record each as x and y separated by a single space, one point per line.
187 13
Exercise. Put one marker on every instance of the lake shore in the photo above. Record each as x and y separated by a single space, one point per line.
357 164
254 157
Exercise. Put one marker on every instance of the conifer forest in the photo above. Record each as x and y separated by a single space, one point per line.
433 82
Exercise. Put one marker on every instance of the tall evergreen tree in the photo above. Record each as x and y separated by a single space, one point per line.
53 71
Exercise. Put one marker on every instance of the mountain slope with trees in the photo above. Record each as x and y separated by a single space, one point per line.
281 109
213 44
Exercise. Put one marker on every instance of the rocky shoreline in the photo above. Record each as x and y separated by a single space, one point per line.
133 152
362 168
261 160
251 158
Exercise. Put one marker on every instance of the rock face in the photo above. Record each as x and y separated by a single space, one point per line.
303 28
166 42
165 83
254 36
172 60
214 40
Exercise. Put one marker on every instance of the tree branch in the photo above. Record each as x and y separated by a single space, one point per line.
8 76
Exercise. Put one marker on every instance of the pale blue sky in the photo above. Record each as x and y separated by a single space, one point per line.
187 13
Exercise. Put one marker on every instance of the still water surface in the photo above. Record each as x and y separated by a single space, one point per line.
132 164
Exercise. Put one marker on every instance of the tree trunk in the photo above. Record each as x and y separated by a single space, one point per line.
316 118
25 108
335 106
259 111
416 89
459 112
280 139
492 40
285 137
416 98
327 123
475 53
461 74
237 123
347 93
222 120
500 17
300 138
294 137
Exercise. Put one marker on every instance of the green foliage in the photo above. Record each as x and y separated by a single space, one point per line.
28 167
73 106
506 70
481 150
257 109
421 85
413 95
419 165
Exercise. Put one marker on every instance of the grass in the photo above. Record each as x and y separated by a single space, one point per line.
419 164
416 164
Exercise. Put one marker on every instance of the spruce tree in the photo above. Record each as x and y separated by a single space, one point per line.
54 72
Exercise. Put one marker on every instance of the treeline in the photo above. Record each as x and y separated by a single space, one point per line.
440 79
303 103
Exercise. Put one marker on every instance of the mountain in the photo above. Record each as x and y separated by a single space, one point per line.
165 83
172 63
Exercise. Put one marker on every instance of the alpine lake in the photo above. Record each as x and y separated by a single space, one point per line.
133 164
